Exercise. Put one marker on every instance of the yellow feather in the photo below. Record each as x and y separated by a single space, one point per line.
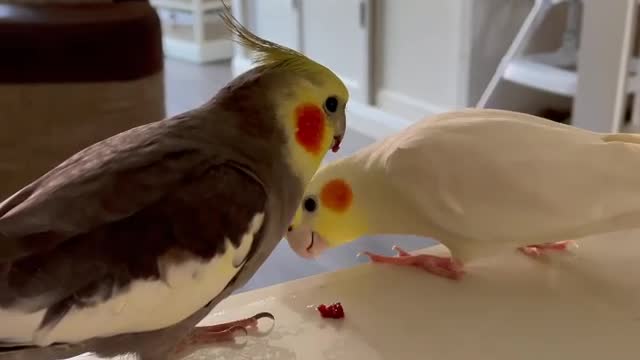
266 53
304 163
313 89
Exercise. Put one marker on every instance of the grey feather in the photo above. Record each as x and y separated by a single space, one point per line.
82 232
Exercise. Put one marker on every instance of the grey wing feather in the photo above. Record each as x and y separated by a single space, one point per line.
85 230
103 183
192 221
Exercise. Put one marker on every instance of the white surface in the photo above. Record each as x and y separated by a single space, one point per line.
584 305
603 63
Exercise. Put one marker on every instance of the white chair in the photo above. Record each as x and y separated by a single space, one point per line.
553 72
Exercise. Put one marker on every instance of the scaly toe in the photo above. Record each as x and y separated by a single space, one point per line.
530 251
400 251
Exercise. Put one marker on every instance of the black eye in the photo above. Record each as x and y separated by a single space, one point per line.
331 104
310 205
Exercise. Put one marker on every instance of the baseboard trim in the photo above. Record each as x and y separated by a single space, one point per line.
374 122
190 51
406 106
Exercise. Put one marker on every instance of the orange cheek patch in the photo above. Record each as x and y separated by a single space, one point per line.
310 127
336 195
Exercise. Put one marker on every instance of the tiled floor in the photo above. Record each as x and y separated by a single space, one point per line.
189 85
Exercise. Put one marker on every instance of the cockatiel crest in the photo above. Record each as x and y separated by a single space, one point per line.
312 126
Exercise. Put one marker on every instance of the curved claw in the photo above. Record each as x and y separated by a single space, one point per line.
232 330
400 251
219 334
263 315
236 328
541 249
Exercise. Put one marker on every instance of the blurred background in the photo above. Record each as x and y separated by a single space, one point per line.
73 72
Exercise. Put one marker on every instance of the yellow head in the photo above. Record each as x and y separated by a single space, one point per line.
310 100
333 210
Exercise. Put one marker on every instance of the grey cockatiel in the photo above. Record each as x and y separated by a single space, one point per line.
480 182
128 244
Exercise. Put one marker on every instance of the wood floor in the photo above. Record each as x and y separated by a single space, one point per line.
188 85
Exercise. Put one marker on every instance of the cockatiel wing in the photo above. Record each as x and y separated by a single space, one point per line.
56 207
544 181
66 253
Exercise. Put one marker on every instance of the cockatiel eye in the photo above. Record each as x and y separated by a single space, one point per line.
310 204
331 104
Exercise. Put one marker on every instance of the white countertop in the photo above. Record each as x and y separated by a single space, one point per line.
585 305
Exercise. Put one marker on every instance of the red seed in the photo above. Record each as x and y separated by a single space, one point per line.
333 311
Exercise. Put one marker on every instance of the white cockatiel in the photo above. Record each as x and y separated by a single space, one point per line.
479 181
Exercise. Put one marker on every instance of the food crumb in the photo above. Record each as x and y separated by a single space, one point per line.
333 311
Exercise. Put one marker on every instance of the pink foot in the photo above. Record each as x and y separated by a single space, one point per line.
208 335
541 249
440 266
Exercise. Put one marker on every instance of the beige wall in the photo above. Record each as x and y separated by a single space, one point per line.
434 55
417 50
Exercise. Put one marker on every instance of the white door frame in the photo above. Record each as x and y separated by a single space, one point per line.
367 13
245 13
362 90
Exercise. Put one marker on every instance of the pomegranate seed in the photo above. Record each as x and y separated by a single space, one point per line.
333 311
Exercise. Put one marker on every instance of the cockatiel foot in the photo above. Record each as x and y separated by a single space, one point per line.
541 249
436 265
205 336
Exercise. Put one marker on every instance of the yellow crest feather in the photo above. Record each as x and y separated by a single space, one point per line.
265 52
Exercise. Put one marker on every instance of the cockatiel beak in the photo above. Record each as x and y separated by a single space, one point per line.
335 146
306 243
341 128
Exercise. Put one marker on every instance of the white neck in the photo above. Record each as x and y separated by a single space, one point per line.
387 211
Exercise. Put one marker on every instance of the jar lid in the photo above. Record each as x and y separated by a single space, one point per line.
115 40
